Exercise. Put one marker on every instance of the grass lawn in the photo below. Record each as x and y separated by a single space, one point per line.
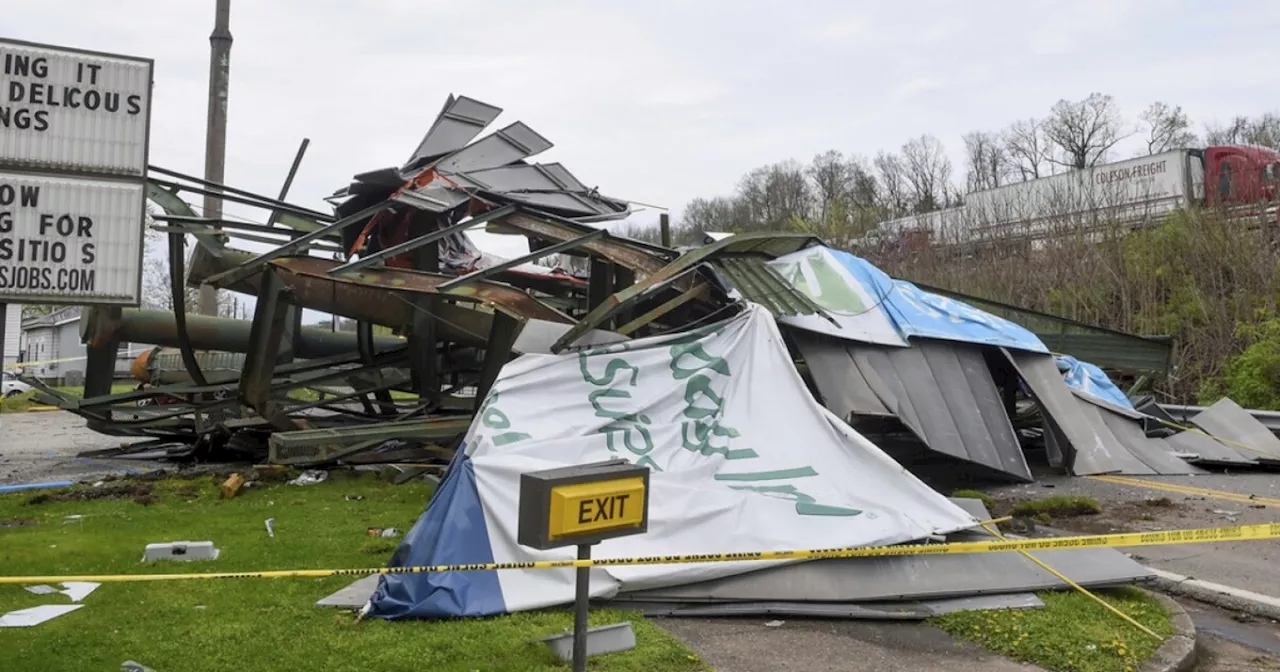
1072 633
255 624
20 403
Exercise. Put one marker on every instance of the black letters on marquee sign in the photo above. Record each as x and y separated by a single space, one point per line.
62 237
28 96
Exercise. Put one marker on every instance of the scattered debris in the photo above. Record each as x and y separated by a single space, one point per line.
774 624
133 666
231 487
271 530
1224 512
185 551
41 590
78 590
310 477
385 533
600 640
25 618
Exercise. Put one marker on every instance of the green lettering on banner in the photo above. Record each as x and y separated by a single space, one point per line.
805 504
635 438
493 418
696 350
701 443
610 371
776 475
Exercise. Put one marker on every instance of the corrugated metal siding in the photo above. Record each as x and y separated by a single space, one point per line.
760 283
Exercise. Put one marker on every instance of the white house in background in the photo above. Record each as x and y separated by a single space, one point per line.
51 343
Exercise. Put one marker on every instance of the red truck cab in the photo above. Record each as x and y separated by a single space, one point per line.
1240 175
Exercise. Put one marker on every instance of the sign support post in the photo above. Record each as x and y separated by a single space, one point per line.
580 506
581 599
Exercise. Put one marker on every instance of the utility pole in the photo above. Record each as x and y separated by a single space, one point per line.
215 139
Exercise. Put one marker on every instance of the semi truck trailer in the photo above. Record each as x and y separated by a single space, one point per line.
1134 192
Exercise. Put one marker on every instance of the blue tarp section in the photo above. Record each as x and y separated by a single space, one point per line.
917 313
452 531
1091 380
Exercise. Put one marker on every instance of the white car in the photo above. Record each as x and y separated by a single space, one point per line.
11 386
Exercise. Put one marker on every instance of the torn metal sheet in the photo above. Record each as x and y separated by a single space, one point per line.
1087 444
353 596
942 391
461 120
1235 428
1200 449
510 144
844 387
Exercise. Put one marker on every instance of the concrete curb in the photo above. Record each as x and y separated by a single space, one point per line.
1227 597
1178 653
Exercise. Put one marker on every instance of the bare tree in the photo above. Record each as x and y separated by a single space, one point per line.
1242 130
773 194
1231 133
710 214
891 173
864 192
1084 130
1169 128
987 161
832 179
1027 149
157 292
928 172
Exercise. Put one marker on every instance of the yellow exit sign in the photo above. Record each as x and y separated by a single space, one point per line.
583 504
595 507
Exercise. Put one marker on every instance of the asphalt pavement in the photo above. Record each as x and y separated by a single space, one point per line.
42 446
1250 565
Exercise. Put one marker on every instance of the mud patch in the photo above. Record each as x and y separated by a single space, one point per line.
18 522
138 492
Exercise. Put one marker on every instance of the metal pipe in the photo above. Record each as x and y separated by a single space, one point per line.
158 327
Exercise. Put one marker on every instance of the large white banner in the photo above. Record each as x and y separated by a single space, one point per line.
743 458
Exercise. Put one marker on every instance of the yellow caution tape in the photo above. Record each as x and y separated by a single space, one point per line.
1172 537
46 362
1178 488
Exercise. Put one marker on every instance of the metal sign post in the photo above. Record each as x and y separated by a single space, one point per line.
581 506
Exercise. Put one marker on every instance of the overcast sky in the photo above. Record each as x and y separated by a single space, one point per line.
658 101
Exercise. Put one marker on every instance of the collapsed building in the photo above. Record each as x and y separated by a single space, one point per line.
453 348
